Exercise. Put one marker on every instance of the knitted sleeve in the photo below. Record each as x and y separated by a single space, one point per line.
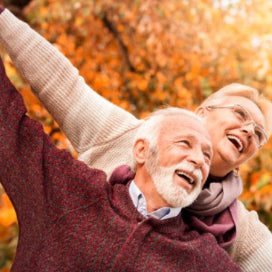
42 181
252 249
87 119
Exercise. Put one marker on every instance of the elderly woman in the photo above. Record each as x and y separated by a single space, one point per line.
236 117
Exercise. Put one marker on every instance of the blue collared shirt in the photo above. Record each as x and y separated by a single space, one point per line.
139 202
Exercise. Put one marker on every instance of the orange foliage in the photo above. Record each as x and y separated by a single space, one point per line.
7 213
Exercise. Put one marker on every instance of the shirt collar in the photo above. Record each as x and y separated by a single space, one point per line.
139 202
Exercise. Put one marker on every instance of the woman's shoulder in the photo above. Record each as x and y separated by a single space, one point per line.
252 248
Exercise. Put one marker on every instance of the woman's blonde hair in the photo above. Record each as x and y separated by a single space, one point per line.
236 89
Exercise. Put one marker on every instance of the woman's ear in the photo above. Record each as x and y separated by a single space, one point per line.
140 151
201 111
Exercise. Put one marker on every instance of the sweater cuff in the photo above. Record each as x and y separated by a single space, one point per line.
260 260
1 9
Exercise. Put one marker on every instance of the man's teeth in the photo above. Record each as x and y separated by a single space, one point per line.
236 141
185 176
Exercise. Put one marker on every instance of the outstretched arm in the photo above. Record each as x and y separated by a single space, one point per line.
88 120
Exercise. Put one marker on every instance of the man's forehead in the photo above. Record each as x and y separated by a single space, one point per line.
181 120
185 126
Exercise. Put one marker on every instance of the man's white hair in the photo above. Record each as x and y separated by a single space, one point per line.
151 126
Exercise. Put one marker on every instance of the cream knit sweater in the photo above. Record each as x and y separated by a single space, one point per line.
97 127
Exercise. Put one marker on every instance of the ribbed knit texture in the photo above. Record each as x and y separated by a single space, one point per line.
71 219
256 260
253 245
102 140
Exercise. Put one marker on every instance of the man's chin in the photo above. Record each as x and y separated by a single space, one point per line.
186 200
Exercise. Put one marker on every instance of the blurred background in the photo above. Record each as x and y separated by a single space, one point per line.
142 54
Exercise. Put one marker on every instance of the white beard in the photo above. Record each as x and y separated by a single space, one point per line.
173 194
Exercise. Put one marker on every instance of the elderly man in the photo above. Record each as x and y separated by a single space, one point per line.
71 219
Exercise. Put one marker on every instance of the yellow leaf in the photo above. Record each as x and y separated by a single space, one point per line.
142 84
7 217
7 212
79 21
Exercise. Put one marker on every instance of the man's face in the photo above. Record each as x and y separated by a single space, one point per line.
180 165
233 141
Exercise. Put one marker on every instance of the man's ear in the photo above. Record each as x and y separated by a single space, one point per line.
140 150
201 111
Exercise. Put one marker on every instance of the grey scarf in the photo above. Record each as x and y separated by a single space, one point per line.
217 196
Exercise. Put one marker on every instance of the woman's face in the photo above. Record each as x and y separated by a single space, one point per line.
234 139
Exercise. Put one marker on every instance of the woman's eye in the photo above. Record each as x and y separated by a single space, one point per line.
259 134
241 114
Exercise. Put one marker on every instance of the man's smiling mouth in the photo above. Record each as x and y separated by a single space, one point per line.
188 177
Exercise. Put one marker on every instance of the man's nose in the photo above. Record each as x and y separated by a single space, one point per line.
197 158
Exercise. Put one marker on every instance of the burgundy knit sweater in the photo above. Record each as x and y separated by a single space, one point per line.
71 219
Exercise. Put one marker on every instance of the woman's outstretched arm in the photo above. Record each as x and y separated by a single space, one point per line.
91 123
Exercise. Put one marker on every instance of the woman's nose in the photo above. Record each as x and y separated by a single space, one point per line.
249 128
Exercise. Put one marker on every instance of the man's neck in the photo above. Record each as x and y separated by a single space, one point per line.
139 202
153 199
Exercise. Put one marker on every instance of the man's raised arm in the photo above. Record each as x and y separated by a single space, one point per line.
43 182
32 170
21 162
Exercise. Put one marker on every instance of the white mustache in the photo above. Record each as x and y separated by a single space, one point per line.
189 168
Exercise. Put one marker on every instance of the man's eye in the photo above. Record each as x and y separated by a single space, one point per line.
207 156
185 142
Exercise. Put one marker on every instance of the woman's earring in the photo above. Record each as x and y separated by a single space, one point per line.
236 172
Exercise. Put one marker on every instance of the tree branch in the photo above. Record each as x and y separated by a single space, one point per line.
111 27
